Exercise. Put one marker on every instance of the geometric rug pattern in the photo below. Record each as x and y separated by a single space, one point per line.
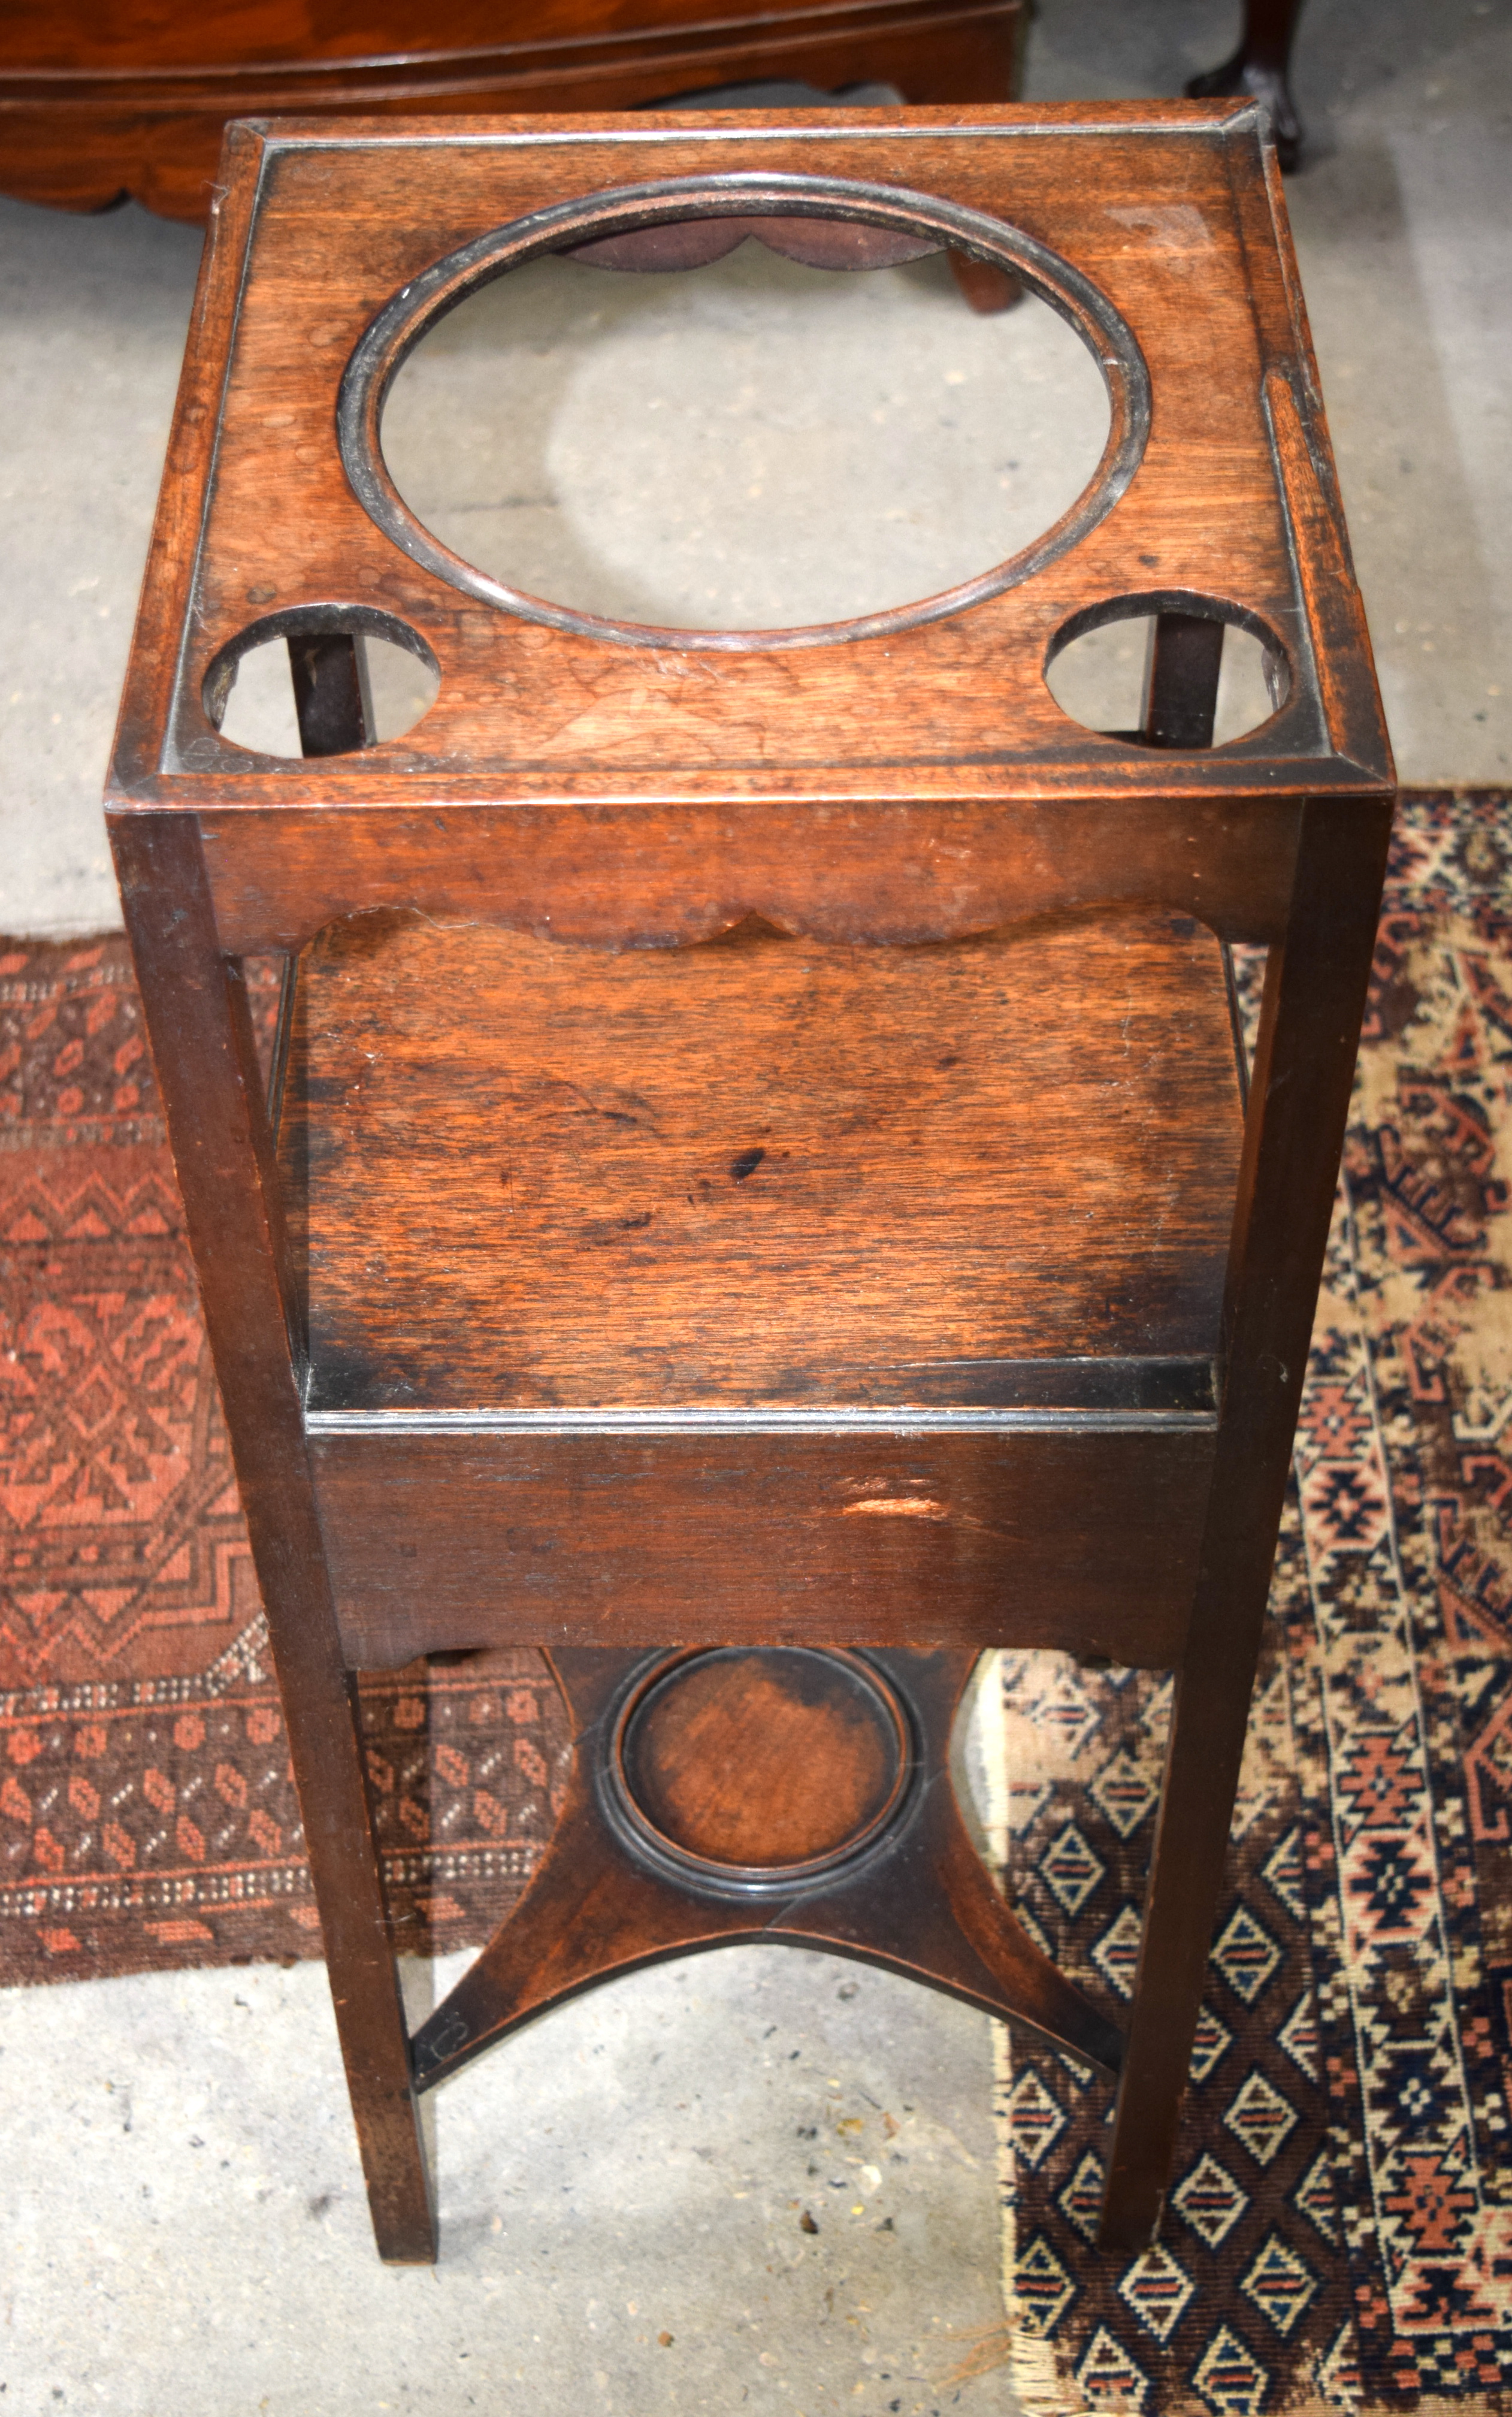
147 1816
1338 2231
1339 2234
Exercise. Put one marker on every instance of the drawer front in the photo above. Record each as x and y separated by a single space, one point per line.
1086 1541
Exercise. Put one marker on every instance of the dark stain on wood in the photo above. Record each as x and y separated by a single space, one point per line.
997 1148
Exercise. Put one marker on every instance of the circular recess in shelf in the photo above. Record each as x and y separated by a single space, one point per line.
761 1767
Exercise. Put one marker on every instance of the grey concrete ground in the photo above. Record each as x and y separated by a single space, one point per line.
623 2192
182 2229
1401 219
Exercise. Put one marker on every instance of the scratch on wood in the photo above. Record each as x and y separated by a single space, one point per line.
887 1506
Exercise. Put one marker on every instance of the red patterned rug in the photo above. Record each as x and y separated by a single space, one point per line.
1339 2234
147 1808
1340 2230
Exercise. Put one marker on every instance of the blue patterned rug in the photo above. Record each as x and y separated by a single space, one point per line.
1339 2234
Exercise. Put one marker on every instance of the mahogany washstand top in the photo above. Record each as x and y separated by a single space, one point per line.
935 728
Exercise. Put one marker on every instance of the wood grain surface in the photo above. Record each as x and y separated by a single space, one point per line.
765 1760
760 1170
1152 205
761 1160
643 873
104 98
1086 1542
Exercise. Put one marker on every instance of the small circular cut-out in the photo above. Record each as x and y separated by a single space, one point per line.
321 680
774 201
764 1765
1177 671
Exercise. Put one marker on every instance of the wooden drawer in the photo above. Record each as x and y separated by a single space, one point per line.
443 1541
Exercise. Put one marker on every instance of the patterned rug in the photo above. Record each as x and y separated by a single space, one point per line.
1340 2229
147 1816
1340 2234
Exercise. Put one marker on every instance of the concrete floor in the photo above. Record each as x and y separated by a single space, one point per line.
183 2228
622 2192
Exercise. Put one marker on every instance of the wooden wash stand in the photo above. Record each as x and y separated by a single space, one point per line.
758 1199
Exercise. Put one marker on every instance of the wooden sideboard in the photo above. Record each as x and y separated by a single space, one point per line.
105 101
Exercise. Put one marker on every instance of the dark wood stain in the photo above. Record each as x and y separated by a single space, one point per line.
740 1173
102 102
816 1759
762 1164
926 1909
1050 1537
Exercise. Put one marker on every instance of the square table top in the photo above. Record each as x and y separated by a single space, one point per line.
1157 229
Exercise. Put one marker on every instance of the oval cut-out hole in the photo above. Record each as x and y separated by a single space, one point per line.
320 690
754 444
1189 676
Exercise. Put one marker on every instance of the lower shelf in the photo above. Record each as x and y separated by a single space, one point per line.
792 1796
